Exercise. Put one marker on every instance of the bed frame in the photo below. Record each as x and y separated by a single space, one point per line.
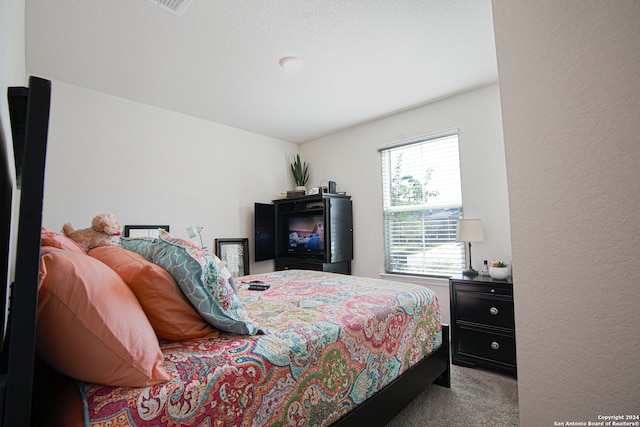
18 344
383 406
29 109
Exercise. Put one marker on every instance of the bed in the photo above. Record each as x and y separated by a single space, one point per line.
313 349
337 354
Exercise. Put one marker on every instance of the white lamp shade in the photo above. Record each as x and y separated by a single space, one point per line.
194 231
469 230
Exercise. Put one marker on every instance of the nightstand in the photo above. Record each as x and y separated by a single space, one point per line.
482 323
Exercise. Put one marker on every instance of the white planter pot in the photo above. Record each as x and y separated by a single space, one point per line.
500 273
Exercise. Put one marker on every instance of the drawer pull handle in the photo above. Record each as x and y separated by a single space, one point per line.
493 291
495 345
493 311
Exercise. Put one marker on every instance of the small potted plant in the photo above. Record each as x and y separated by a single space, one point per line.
499 270
300 172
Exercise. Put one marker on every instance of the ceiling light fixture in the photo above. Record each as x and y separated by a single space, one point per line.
291 63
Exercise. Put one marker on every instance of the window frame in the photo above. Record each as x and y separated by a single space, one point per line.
452 252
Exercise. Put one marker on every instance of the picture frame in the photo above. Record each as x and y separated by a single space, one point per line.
143 230
235 253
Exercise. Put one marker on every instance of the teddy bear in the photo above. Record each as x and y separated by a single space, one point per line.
103 228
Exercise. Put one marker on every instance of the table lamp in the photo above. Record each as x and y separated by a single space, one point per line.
469 230
195 231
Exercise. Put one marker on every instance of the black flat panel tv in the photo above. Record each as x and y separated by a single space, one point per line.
306 233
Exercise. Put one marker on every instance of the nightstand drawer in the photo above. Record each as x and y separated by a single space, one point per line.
485 309
503 289
487 345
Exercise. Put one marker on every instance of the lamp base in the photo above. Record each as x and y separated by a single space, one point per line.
470 272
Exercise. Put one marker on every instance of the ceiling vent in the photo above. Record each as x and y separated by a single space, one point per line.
176 6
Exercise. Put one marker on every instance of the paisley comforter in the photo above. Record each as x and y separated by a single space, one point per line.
331 341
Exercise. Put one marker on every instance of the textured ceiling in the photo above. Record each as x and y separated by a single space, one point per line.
363 59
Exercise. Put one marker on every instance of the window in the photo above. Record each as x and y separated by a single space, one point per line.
422 203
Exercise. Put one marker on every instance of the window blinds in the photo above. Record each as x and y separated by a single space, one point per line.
422 203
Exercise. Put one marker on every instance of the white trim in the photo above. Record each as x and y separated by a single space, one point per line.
421 138
418 280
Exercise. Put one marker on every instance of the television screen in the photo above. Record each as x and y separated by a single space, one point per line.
306 233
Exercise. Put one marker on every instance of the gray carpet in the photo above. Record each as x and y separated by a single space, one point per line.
477 397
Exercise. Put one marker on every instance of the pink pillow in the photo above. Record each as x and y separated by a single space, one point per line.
166 307
60 241
91 326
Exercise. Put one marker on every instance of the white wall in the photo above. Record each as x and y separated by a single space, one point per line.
570 89
351 159
12 73
152 166
12 57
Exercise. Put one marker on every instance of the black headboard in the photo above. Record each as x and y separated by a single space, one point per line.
18 350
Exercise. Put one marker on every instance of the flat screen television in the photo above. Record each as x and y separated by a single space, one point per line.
306 233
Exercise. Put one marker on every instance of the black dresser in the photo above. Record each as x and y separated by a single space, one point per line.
482 323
